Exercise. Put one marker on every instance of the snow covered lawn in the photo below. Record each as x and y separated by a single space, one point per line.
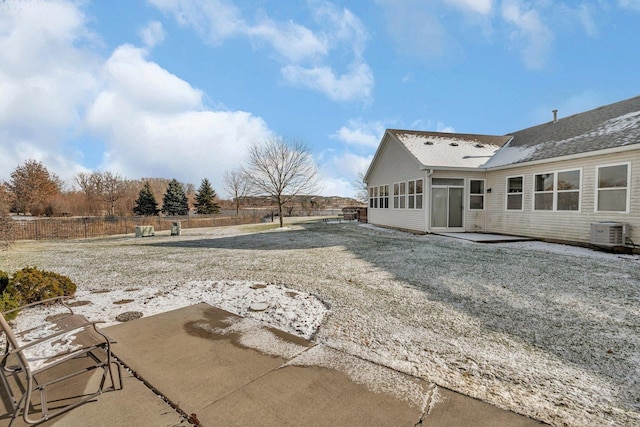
548 331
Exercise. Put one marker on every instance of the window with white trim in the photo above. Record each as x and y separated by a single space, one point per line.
373 197
514 193
414 194
568 198
399 195
557 191
383 193
612 194
543 191
476 194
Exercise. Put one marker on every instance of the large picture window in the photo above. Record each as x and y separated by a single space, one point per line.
399 195
613 188
414 194
514 193
476 194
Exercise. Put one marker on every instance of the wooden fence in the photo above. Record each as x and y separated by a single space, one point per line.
87 227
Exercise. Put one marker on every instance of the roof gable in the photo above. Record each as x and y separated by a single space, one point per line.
610 126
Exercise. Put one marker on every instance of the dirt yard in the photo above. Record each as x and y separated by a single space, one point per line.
549 331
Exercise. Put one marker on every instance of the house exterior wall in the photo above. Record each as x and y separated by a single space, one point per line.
394 165
572 226
474 220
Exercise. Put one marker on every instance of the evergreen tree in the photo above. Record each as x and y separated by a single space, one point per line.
174 201
146 204
206 199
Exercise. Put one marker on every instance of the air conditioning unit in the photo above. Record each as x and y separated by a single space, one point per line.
609 233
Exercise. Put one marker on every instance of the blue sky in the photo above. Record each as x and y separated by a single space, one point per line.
181 88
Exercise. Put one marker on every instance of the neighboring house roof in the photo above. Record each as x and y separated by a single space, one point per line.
610 126
449 150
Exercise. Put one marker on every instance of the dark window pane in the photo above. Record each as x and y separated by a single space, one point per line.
569 201
543 202
476 187
476 202
569 180
514 202
612 176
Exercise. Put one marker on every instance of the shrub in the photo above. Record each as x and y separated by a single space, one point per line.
8 302
32 285
4 281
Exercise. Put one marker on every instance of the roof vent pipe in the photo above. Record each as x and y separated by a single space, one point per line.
555 116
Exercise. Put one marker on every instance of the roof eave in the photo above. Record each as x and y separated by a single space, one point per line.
614 150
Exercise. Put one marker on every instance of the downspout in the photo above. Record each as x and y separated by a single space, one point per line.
427 203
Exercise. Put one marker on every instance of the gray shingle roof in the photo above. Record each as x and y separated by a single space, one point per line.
610 126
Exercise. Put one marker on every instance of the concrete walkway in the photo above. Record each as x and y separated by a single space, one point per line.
486 237
223 370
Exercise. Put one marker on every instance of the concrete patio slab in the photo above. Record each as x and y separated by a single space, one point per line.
135 405
193 356
233 371
486 237
451 409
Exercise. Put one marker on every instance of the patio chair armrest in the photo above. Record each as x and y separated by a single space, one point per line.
44 301
58 333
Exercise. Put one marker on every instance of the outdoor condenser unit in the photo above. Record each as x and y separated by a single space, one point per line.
609 233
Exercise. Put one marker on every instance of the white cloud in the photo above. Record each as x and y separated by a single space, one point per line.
46 81
358 132
356 84
146 84
339 172
529 31
152 34
166 133
215 20
305 53
294 42
630 4
482 7
59 102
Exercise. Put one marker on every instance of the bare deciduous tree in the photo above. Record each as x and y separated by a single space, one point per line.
102 187
33 188
361 193
281 169
235 184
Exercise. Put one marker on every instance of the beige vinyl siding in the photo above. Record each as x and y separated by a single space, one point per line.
572 226
395 164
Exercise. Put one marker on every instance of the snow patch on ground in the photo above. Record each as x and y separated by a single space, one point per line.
296 312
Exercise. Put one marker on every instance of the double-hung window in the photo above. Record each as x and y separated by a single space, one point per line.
399 195
514 193
476 194
373 197
384 196
612 194
545 184
414 194
568 190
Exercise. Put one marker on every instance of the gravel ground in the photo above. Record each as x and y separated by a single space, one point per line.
548 331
